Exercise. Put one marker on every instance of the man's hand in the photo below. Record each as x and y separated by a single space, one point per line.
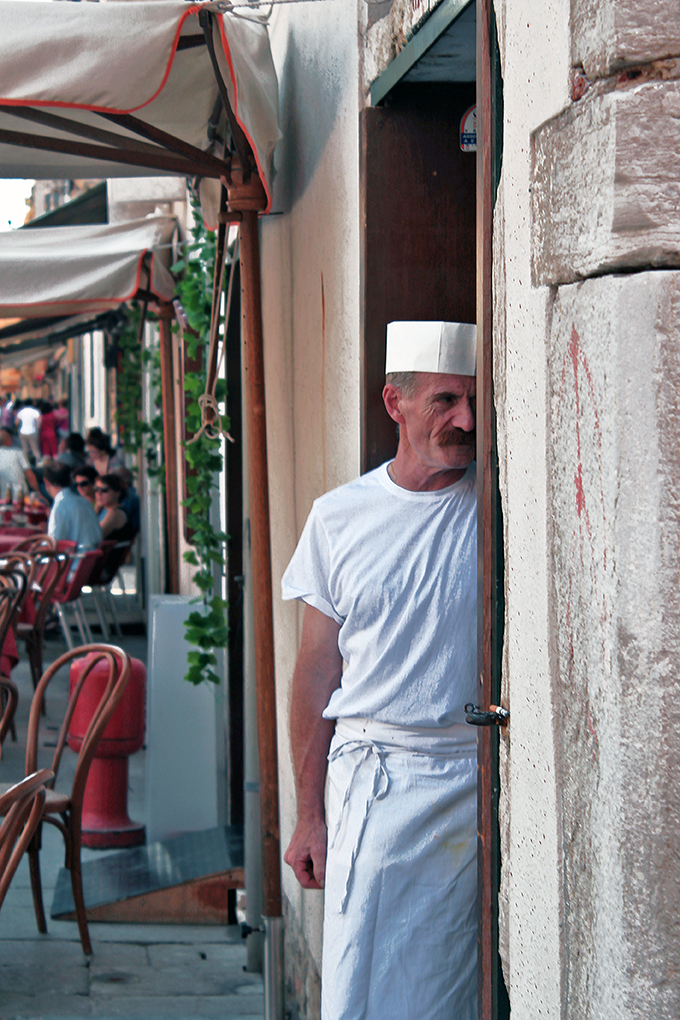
306 854
317 674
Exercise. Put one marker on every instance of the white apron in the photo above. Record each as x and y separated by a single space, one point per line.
400 913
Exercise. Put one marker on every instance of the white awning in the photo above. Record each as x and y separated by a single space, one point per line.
75 270
145 58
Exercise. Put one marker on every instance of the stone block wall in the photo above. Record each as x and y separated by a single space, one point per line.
608 35
605 241
614 491
606 186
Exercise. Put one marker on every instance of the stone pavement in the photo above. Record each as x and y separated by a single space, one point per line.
136 971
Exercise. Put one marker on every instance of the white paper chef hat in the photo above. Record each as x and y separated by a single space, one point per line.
449 347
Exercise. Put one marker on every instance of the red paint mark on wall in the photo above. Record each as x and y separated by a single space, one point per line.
580 496
588 544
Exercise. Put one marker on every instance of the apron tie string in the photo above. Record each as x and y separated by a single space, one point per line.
379 790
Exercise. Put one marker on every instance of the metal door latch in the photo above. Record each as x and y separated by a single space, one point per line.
495 716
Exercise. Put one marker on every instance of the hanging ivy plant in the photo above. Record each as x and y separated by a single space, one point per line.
206 629
135 433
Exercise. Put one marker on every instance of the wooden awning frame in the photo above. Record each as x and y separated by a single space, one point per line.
237 169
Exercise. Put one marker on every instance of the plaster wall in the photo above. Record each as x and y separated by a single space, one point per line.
310 277
535 48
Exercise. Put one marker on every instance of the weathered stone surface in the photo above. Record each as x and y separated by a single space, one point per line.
606 185
611 34
302 982
614 488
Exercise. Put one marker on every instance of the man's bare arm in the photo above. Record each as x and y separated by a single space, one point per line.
318 671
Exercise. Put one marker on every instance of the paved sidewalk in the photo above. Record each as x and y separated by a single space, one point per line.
137 971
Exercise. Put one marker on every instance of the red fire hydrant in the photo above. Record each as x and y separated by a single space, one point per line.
105 821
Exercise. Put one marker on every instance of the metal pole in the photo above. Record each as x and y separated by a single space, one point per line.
252 822
273 968
170 447
253 369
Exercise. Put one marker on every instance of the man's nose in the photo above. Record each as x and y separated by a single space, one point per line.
464 417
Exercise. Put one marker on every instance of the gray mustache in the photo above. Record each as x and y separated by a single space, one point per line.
457 437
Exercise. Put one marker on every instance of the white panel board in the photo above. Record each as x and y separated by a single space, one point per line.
182 751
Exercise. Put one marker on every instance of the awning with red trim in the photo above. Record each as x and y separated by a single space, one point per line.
76 270
106 67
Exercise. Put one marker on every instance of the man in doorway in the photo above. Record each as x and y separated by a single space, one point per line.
71 518
386 566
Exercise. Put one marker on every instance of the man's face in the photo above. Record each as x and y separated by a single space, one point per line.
85 487
439 420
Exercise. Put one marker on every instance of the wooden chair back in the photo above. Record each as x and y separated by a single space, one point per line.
119 666
64 810
9 699
17 571
22 807
35 544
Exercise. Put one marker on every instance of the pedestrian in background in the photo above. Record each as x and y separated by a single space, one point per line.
28 421
102 455
49 444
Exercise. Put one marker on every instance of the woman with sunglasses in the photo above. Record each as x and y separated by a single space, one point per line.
108 491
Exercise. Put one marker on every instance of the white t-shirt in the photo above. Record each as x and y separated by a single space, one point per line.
398 571
72 518
28 418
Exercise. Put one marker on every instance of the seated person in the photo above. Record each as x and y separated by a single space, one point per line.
28 422
100 452
72 451
108 491
130 501
15 472
71 518
82 481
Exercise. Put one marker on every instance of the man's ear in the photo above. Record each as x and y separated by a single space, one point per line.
391 395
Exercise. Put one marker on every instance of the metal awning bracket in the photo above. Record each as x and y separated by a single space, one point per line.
206 21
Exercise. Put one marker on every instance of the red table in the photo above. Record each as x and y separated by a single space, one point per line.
9 539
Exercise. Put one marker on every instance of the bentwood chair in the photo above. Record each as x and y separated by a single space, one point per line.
9 699
51 568
21 805
64 809
16 573
35 544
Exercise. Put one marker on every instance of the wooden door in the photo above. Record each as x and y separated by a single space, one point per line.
427 212
418 210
